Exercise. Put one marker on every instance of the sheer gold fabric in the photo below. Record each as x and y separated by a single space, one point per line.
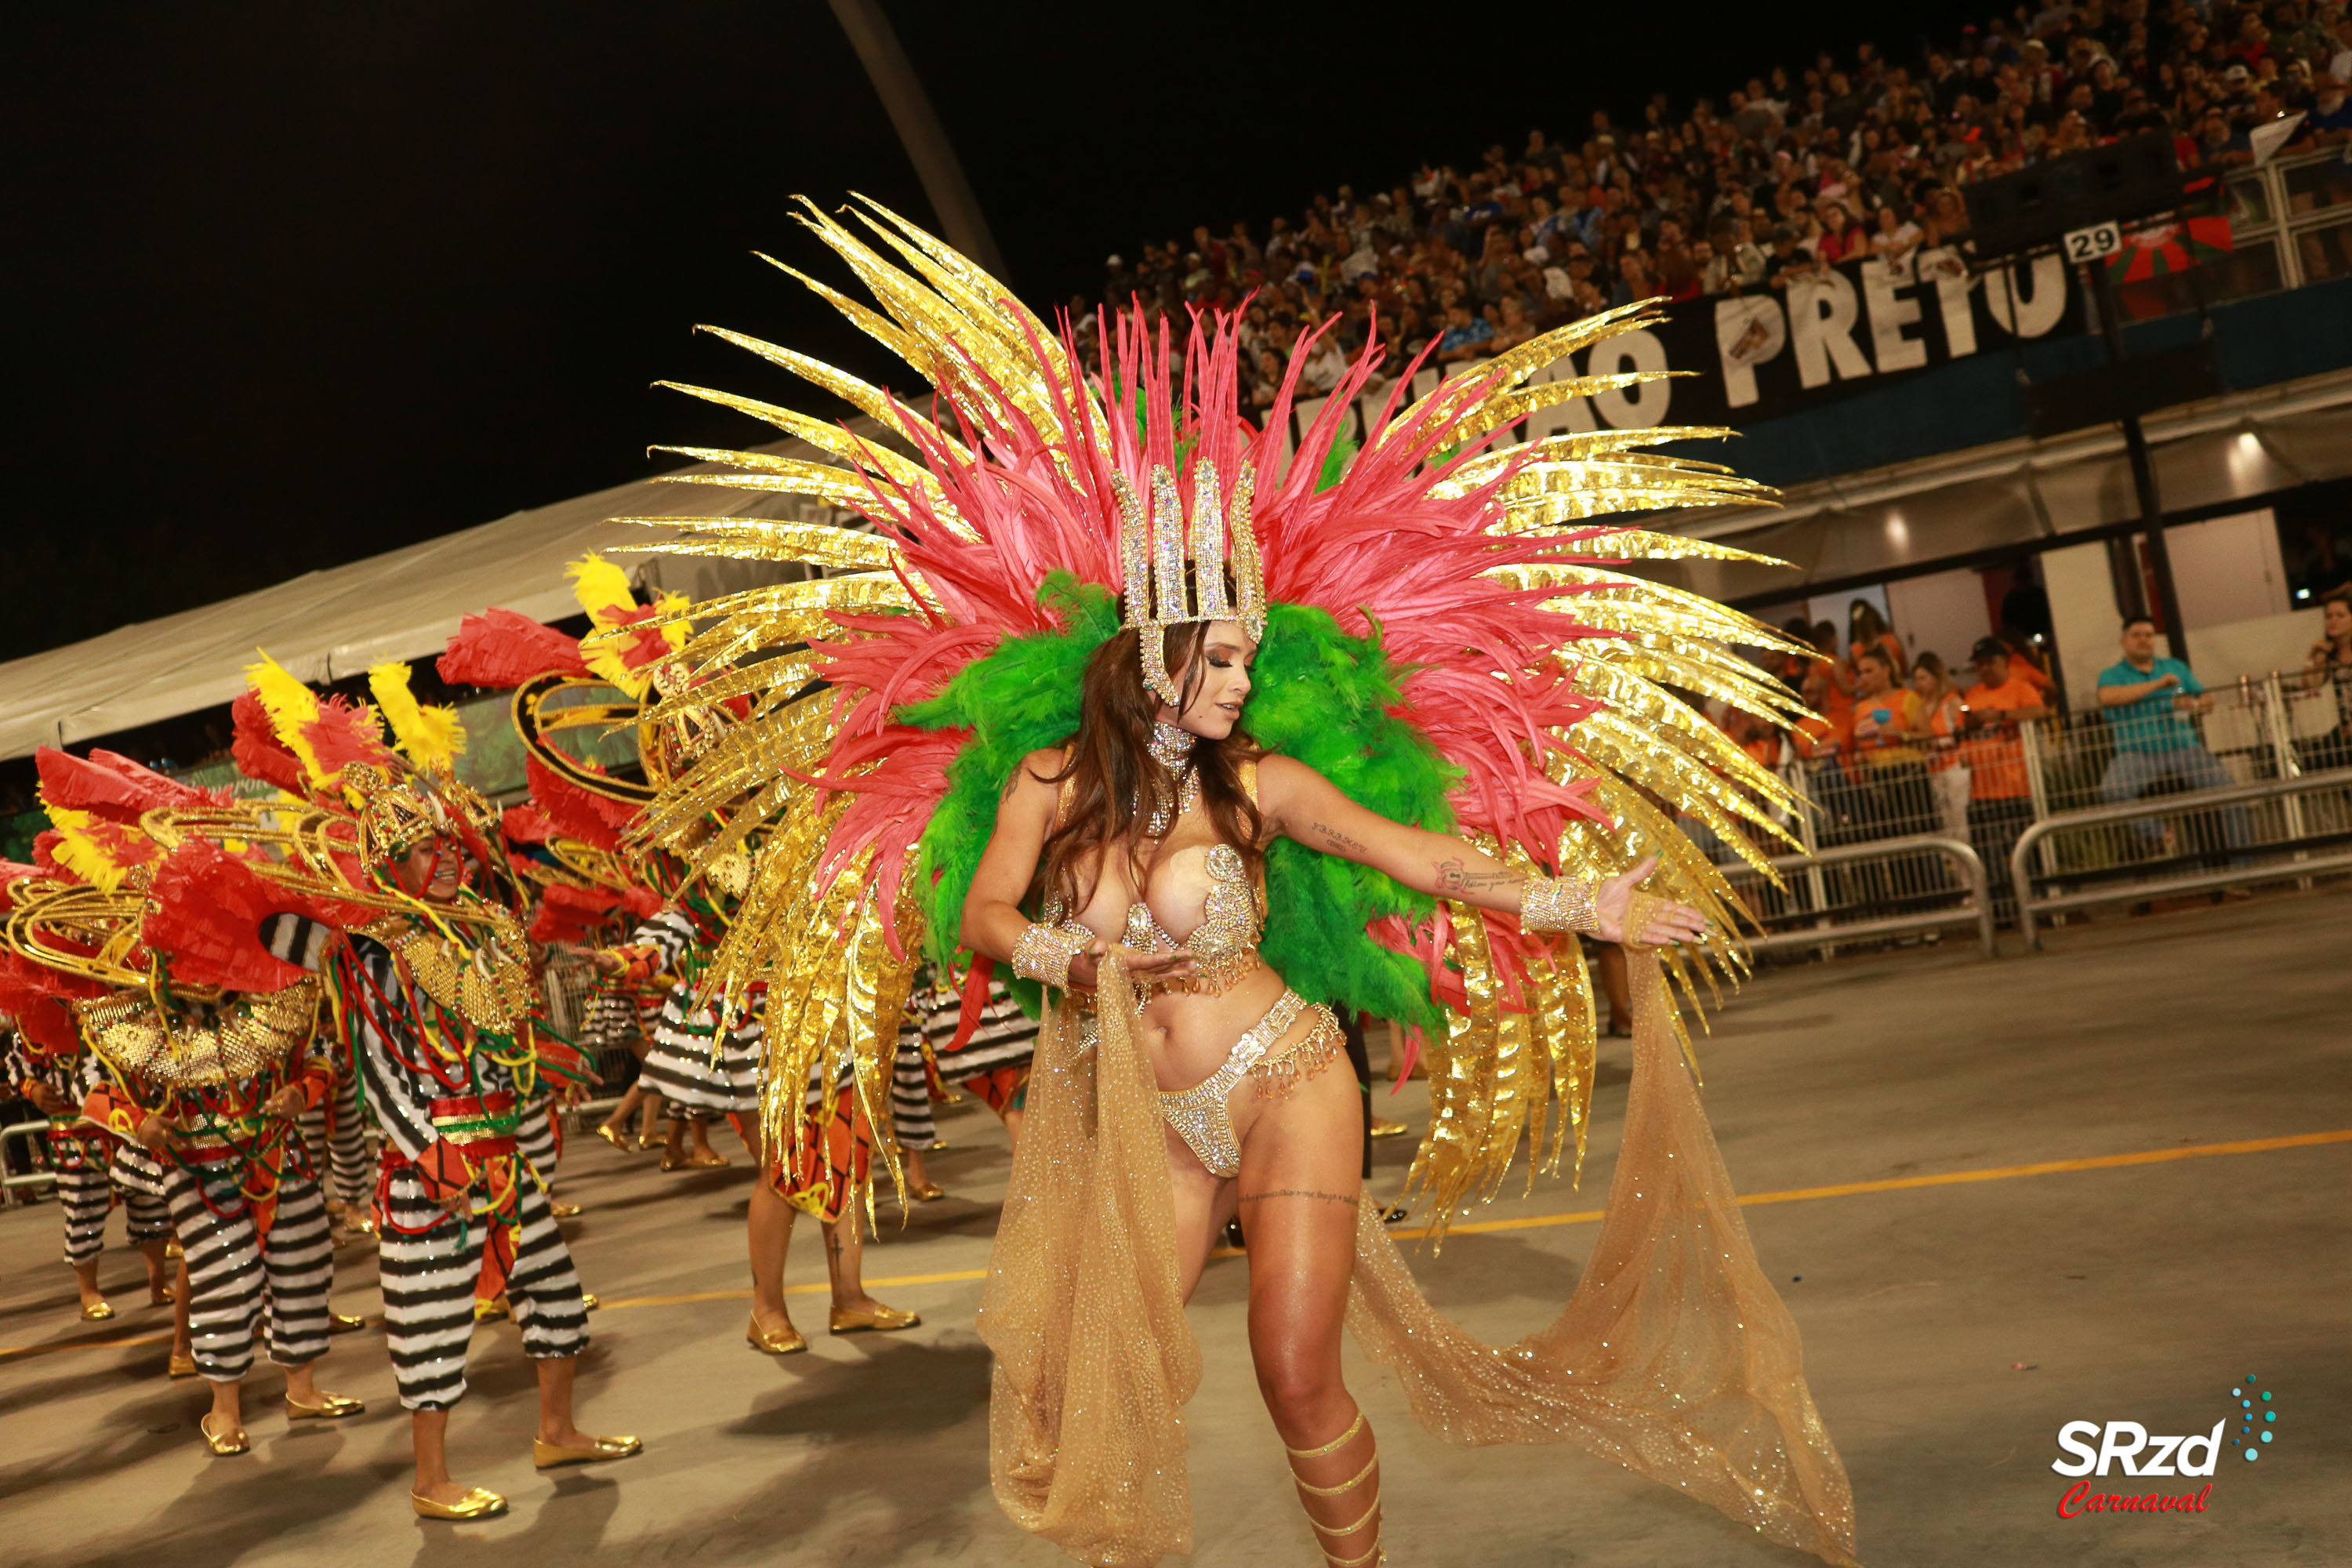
1674 1357
1094 1358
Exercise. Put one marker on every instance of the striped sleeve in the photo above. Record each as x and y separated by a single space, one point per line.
401 1107
297 940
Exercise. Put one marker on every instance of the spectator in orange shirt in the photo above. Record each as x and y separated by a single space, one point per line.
1932 715
1999 803
1866 628
1896 797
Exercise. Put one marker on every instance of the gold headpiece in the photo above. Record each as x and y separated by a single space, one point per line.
1168 584
399 811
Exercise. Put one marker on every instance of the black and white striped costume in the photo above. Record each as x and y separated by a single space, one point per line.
1004 1039
86 1180
703 1071
237 1278
910 1090
535 1133
429 1258
340 1147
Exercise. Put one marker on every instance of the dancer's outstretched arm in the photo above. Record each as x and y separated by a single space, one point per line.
1301 803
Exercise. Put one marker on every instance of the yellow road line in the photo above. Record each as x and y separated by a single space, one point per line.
1944 1178
1528 1222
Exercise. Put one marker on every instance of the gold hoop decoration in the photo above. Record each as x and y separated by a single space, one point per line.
536 721
80 930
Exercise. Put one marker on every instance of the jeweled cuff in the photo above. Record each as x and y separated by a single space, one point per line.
1559 903
1044 954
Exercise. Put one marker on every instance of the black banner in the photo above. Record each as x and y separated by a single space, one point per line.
1848 329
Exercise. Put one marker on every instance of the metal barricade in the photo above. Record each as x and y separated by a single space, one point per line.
40 1175
2247 828
1876 883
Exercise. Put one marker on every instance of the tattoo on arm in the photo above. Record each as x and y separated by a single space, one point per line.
1334 840
1347 1198
1453 877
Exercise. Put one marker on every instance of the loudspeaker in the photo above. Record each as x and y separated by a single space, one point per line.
2034 207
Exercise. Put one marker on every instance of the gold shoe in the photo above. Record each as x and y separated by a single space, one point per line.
344 1323
774 1342
172 1252
330 1407
614 1136
709 1159
563 1210
362 1226
230 1441
548 1455
97 1312
588 1301
881 1320
181 1365
1389 1129
647 1143
479 1502
928 1192
676 1163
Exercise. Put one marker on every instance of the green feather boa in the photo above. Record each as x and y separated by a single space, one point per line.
1320 696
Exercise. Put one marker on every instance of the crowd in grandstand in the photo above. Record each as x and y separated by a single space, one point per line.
1793 171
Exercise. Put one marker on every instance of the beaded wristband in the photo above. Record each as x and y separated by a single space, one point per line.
1557 903
1044 954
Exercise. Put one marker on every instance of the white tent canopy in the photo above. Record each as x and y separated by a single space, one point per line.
327 625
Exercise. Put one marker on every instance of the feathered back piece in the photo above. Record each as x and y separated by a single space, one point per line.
1450 637
325 735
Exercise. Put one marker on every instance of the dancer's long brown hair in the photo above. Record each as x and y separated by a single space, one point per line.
1110 762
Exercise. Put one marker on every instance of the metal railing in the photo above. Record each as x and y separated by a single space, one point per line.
1853 893
41 1173
2248 861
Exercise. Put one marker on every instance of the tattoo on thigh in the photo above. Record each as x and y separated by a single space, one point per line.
1347 1198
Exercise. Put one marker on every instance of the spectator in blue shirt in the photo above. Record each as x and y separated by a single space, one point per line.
1463 333
2147 702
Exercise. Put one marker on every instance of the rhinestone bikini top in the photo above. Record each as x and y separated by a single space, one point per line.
1225 944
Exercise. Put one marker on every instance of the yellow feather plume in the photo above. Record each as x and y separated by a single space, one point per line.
601 588
293 708
603 591
431 737
93 849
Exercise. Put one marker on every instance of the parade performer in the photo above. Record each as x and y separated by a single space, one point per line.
577 809
48 1065
205 1074
404 901
1191 725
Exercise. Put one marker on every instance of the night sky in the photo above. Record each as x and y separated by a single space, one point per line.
289 285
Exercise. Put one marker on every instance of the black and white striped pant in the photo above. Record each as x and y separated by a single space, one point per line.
351 1163
86 1191
234 1274
430 1262
342 1153
535 1135
910 1096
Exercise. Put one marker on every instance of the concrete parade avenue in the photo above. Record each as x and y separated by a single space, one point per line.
2103 1183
